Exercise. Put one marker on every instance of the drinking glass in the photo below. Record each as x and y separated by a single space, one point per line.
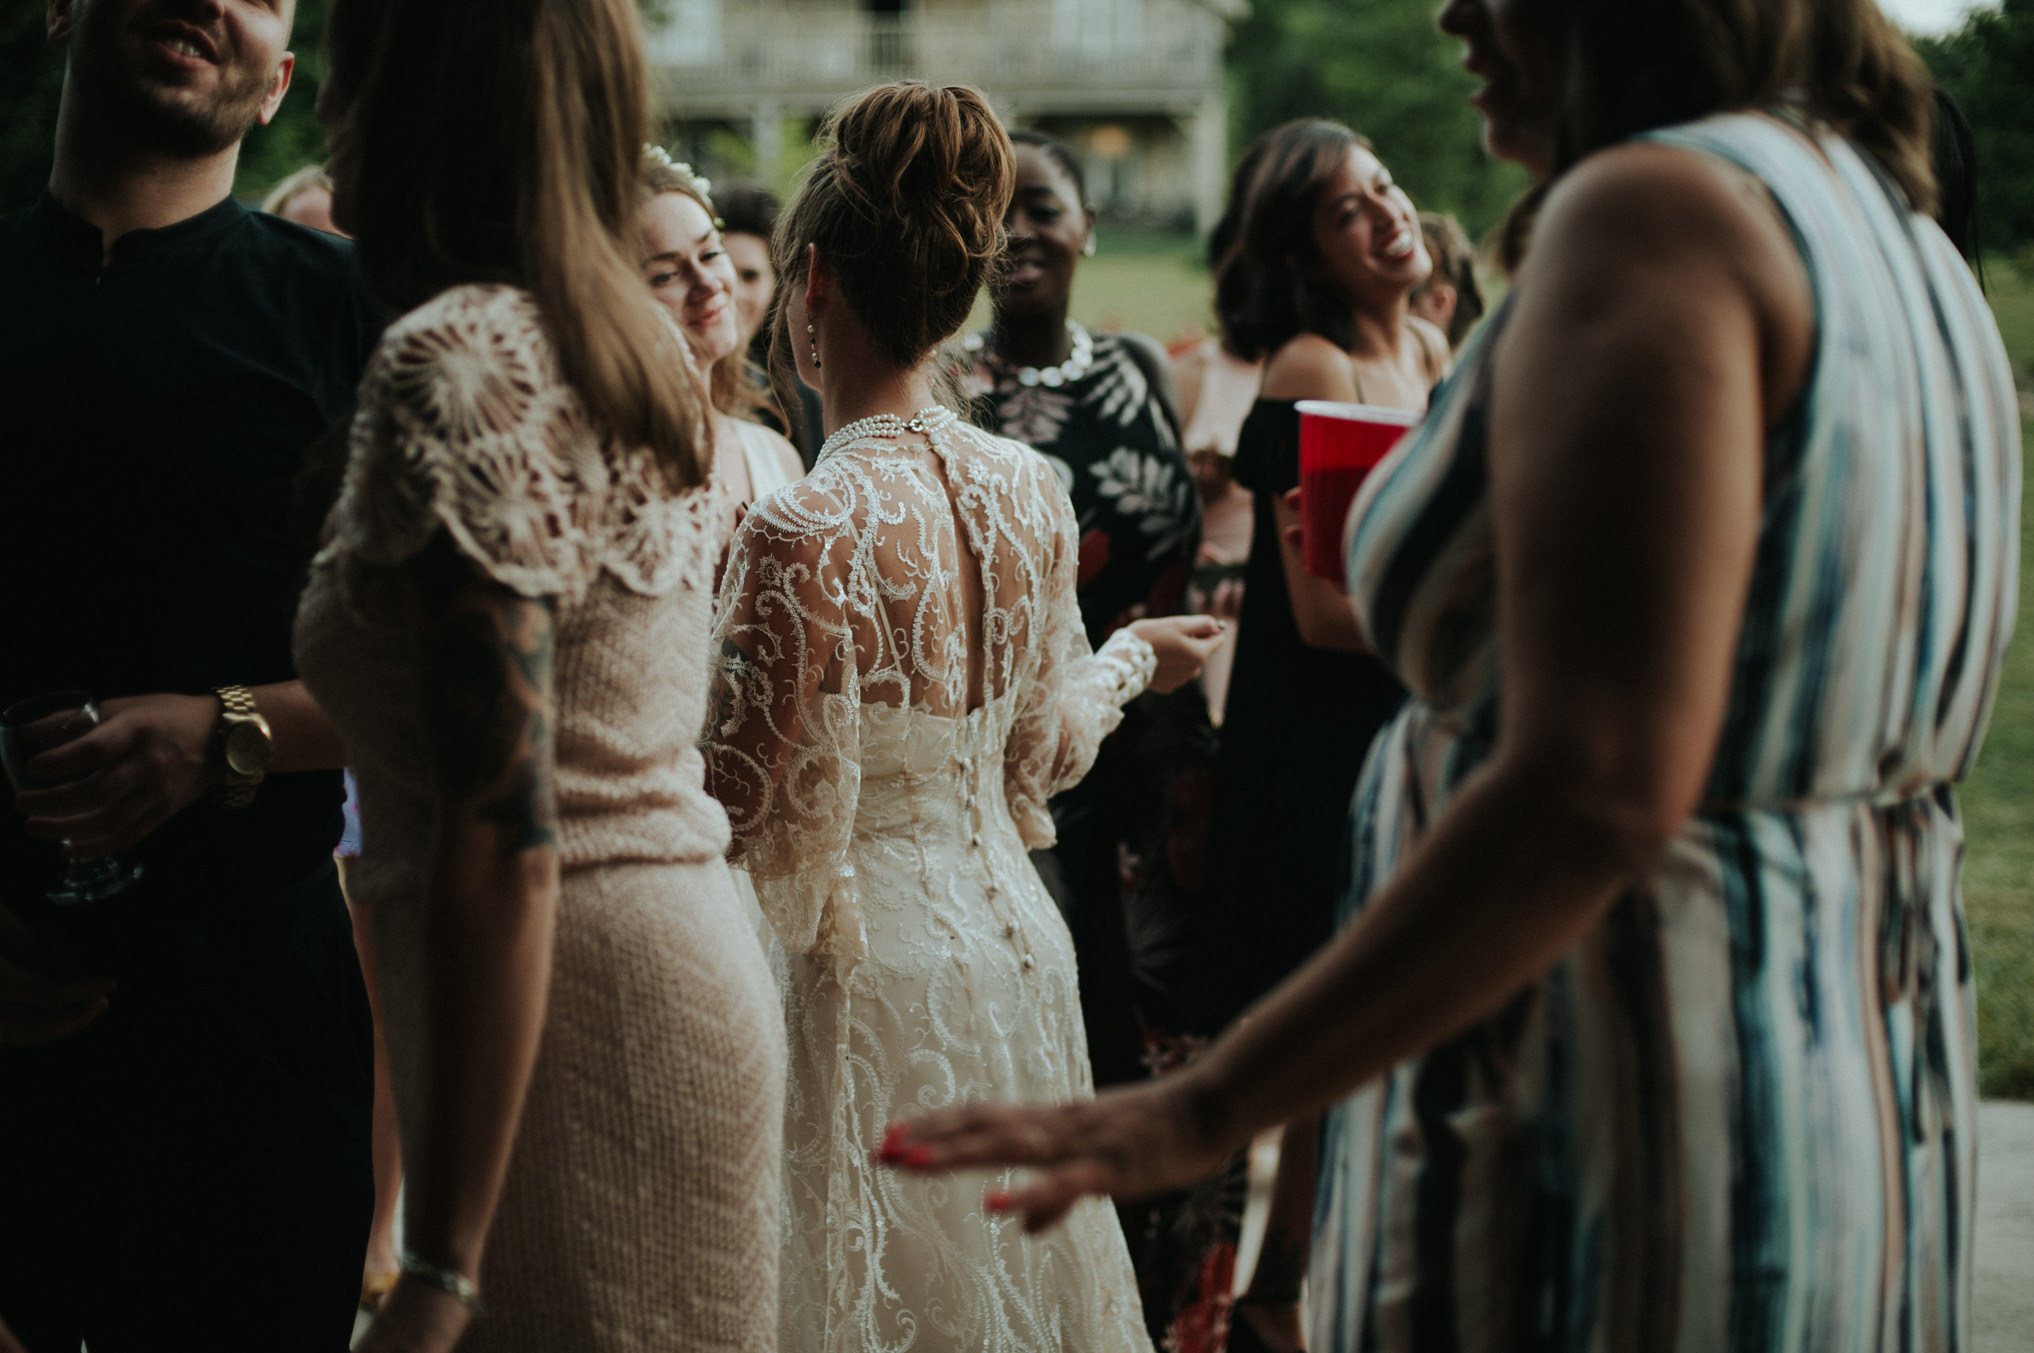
35 725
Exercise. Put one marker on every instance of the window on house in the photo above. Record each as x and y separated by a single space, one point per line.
889 38
1098 27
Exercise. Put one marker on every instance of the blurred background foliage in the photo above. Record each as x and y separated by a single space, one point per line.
1988 64
1376 64
1380 66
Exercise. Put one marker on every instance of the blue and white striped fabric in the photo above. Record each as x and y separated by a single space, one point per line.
1740 1115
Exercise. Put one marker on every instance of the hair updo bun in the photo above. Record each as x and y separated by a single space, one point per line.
906 202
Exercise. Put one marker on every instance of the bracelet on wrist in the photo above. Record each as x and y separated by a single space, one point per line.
453 1283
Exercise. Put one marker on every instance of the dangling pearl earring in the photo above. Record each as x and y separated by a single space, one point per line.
812 337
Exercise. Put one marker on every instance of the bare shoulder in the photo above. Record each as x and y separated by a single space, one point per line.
1309 367
1670 232
1648 205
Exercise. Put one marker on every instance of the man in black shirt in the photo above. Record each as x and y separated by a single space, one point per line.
184 1069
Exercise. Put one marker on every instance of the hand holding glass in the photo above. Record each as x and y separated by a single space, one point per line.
33 726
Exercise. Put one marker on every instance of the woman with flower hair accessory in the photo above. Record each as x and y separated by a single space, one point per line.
688 268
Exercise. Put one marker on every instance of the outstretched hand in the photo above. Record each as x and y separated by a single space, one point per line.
1128 1143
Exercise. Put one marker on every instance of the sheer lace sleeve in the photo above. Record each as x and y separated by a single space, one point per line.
783 747
1079 694
466 425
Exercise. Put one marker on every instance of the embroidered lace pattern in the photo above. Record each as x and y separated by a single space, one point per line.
467 425
883 794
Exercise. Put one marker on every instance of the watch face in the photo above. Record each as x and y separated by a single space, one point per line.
247 748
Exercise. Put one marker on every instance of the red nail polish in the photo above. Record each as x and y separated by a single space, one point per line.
999 1201
917 1157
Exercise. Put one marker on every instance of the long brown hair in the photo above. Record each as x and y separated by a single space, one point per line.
501 141
906 200
1268 285
1637 65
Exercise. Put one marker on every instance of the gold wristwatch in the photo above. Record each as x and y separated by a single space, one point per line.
245 744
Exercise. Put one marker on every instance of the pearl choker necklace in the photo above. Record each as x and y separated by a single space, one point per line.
1051 377
926 421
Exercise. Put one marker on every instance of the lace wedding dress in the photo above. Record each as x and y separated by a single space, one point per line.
886 760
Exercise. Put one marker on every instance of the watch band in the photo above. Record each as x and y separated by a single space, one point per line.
237 706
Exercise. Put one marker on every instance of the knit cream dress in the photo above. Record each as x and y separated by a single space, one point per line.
642 1204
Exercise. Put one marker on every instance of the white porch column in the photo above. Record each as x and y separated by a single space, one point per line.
766 134
1211 154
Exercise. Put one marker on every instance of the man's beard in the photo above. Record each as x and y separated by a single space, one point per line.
184 128
164 119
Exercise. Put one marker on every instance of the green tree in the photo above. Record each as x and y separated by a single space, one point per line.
293 138
1986 66
1381 67
31 78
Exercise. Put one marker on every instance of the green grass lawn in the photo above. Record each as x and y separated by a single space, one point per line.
1998 802
1155 284
1148 283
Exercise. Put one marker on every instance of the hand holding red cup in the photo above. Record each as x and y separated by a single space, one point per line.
1339 446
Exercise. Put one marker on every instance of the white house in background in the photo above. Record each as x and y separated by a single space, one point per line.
1135 86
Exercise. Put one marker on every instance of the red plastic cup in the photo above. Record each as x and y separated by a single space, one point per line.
1339 445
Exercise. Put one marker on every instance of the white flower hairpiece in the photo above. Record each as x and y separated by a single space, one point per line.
661 157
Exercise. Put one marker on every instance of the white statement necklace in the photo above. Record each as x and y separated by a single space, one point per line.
926 421
1052 377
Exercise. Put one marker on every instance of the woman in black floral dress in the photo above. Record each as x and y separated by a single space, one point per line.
1127 870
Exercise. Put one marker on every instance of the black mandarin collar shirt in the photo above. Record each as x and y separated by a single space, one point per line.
157 402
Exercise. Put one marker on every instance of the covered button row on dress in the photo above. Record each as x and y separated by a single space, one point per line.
971 799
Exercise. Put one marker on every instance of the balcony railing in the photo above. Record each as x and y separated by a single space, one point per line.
795 53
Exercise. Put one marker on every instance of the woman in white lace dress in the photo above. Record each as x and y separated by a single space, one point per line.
904 681
509 628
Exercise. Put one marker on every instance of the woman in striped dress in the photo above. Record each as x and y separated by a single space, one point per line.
1701 573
